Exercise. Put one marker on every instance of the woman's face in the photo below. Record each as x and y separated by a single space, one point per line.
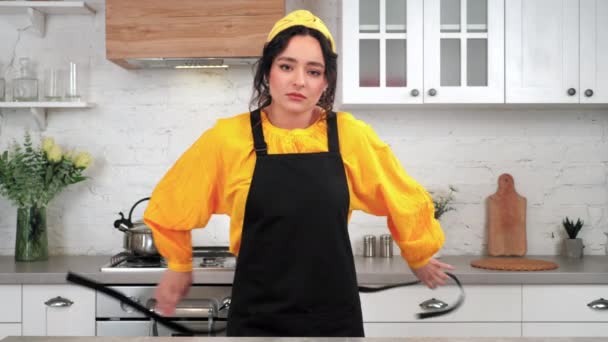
297 76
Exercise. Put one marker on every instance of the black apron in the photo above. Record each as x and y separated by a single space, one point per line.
295 274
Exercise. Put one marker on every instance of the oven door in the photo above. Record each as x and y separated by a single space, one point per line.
147 328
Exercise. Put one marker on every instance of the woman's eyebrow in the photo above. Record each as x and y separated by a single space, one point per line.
293 60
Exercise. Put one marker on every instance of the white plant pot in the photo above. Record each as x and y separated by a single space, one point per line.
573 248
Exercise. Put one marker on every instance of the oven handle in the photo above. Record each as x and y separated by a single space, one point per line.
212 330
91 284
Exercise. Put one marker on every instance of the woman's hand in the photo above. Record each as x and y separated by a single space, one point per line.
432 274
172 288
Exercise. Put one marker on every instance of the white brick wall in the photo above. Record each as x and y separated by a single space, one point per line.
143 120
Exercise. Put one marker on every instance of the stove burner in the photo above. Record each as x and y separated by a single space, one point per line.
211 262
210 257
142 261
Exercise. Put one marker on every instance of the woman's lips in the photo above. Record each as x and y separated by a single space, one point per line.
296 96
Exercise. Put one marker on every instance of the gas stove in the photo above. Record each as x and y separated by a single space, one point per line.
203 258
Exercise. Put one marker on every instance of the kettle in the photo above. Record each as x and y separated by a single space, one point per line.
138 237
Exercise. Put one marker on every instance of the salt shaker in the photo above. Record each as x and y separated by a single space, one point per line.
386 246
369 246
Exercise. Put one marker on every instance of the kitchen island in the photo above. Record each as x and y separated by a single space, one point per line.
591 269
265 339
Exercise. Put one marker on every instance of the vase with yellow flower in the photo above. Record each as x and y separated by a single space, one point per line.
30 177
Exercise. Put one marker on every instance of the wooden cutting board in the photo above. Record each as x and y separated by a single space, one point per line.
506 220
514 264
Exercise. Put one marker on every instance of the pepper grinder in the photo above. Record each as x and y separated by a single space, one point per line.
386 246
369 246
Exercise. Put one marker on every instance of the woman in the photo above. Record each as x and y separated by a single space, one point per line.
289 175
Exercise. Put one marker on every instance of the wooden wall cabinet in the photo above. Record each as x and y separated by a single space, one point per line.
188 28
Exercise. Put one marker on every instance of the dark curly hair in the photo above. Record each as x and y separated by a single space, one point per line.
261 91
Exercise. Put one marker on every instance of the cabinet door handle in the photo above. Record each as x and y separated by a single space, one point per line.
414 92
433 304
571 91
58 302
432 92
599 304
588 92
126 307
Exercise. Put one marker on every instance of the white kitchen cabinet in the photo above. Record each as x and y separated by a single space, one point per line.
564 310
594 51
382 51
464 51
489 310
414 51
10 297
58 310
10 310
556 52
10 329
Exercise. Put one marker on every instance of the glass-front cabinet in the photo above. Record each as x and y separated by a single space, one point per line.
415 51
382 51
463 51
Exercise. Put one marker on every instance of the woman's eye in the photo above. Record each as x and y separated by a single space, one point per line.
285 67
315 73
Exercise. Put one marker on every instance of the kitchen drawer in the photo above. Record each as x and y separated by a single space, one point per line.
563 303
10 310
437 329
10 329
483 303
565 329
58 310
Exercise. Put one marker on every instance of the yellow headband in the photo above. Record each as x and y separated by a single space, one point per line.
304 18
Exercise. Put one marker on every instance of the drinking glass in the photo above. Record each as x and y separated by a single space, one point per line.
73 85
53 84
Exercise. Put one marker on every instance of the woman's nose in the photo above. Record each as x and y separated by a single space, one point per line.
299 78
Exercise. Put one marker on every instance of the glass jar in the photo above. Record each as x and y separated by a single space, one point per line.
2 88
25 87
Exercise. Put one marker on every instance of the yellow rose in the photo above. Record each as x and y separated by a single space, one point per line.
83 160
69 155
47 144
55 154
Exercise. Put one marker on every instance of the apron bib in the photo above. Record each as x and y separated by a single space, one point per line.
295 274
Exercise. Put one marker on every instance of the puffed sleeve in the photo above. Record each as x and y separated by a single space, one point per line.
380 186
185 198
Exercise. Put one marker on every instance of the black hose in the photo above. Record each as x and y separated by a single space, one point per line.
91 284
422 315
80 280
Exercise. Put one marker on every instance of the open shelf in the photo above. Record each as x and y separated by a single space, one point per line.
37 10
46 7
39 109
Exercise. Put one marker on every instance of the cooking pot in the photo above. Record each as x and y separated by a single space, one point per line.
138 237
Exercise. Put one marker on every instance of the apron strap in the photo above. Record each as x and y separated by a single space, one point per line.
261 149
333 143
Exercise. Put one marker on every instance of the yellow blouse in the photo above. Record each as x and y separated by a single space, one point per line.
213 177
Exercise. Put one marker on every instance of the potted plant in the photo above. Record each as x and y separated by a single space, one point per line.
30 176
573 246
442 202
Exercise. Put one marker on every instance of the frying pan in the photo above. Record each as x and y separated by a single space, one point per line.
167 322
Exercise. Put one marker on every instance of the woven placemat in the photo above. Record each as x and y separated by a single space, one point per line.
514 264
